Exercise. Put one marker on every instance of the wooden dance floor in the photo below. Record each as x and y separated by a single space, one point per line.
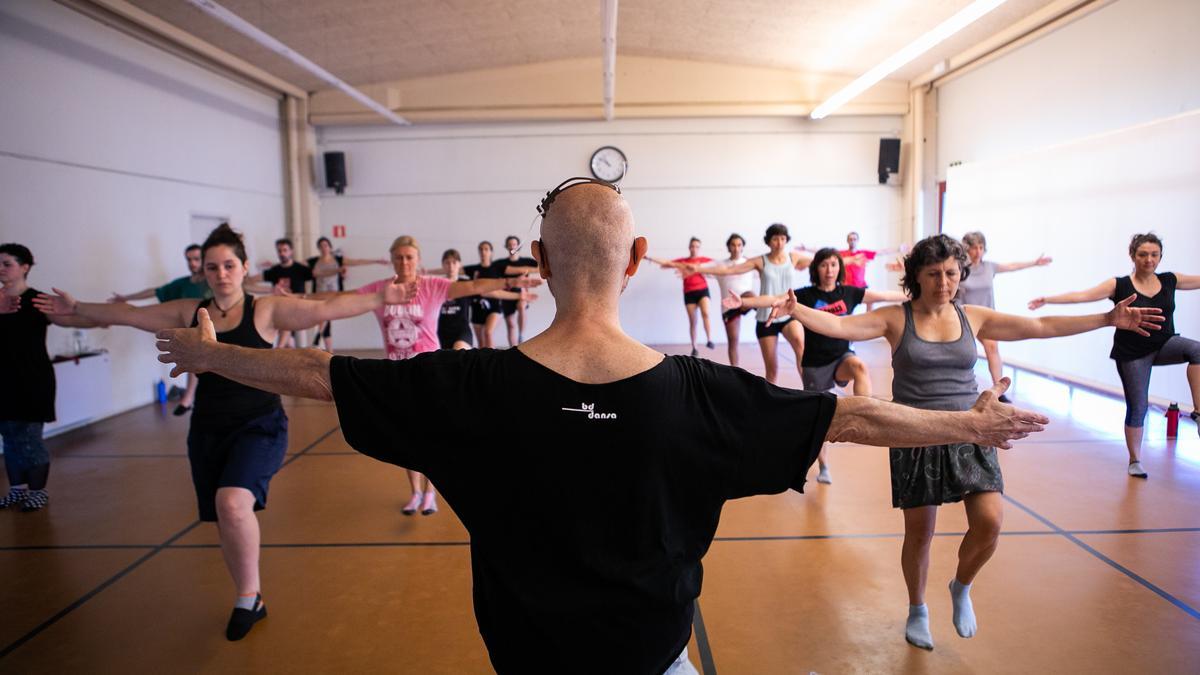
1096 572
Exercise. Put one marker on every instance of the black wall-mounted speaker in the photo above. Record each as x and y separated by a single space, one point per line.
335 171
889 158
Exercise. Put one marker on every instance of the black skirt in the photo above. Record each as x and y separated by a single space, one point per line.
941 474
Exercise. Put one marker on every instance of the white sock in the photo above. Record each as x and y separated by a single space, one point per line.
916 630
964 612
823 476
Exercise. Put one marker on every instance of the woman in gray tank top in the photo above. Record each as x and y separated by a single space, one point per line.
777 271
976 289
933 358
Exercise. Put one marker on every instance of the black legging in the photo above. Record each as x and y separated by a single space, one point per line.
1135 375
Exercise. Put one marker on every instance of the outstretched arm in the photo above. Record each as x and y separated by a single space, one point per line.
860 419
1187 282
870 296
460 289
292 313
856 327
802 260
1013 267
735 301
291 372
1104 289
63 309
993 325
357 262
719 269
144 294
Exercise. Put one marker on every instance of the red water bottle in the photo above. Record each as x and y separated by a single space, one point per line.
1173 420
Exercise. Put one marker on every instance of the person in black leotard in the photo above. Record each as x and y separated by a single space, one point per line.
454 329
27 396
485 313
1136 354
238 434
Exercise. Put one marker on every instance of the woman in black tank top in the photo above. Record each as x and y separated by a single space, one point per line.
1135 355
238 434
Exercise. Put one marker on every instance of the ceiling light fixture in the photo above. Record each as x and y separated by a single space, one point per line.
965 17
254 33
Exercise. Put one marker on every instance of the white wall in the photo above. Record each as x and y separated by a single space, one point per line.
1070 145
455 186
1130 62
108 146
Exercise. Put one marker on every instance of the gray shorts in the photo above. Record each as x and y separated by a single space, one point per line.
820 378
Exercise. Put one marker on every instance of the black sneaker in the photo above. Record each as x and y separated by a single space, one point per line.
710 345
181 410
242 620
15 497
35 500
694 352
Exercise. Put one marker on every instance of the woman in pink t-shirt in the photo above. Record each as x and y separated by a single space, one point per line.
411 328
695 290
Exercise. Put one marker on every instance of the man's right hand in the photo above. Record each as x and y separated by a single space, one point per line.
996 424
731 302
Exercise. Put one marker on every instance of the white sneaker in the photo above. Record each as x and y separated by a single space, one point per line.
1136 470
823 476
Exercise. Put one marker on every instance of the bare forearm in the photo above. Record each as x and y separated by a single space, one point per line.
290 372
113 314
144 294
869 421
75 322
1069 298
460 289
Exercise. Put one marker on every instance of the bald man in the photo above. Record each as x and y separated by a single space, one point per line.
630 454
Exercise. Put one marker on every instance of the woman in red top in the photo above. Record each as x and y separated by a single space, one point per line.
695 290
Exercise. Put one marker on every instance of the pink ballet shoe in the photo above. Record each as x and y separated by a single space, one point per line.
412 505
429 506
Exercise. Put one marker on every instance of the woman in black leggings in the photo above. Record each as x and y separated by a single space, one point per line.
1137 355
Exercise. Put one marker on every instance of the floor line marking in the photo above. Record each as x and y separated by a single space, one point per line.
37 630
707 666
1188 609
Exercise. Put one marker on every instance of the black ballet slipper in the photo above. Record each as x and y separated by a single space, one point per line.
242 620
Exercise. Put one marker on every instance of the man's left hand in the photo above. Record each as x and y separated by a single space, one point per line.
188 348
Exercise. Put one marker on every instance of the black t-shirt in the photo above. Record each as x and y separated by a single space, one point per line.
821 350
481 271
505 263
1128 345
297 275
27 394
455 315
603 559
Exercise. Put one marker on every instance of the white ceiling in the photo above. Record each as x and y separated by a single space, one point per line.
371 41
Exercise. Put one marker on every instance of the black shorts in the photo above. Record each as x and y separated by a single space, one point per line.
481 308
730 314
762 330
509 307
693 297
447 338
244 455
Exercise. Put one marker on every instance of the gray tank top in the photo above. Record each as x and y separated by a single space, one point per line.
776 279
935 375
976 289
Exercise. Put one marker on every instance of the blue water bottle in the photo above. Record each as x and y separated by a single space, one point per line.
160 391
